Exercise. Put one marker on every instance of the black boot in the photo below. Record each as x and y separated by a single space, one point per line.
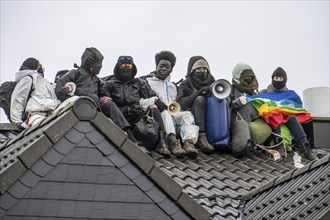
305 149
162 146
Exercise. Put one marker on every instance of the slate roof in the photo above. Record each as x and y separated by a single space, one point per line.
79 164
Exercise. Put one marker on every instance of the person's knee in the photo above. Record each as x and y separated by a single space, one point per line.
199 101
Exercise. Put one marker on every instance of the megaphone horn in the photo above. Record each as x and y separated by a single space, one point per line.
221 89
173 108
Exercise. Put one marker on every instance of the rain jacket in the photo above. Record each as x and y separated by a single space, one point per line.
42 99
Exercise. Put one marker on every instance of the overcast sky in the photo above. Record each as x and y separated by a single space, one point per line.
263 34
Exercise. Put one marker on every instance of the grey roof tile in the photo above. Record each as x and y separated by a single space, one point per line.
52 157
74 136
86 156
10 172
41 168
65 122
165 182
85 109
106 147
134 153
63 146
131 171
18 190
95 137
118 159
7 201
109 129
84 127
29 178
143 183
197 211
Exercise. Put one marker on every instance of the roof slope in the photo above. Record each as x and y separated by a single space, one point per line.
89 162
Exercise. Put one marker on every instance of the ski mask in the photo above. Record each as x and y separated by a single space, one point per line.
125 69
279 72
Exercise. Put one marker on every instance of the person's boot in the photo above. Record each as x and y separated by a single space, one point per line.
190 148
132 138
175 146
204 145
305 149
162 146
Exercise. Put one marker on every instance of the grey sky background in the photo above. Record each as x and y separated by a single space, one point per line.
263 34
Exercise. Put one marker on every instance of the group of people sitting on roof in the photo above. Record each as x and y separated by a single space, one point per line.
125 99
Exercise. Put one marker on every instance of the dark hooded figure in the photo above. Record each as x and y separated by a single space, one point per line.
84 80
191 96
279 80
128 93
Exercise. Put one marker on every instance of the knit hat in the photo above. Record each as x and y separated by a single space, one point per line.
165 55
30 64
238 69
200 63
281 73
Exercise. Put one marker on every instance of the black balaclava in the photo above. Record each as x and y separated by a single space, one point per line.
280 72
125 75
30 64
201 80
165 55
92 58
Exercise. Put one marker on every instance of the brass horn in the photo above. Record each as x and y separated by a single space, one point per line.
221 89
173 108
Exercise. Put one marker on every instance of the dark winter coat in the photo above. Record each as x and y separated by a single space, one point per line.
187 92
87 84
127 95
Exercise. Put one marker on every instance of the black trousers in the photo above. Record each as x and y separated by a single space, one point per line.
198 110
111 110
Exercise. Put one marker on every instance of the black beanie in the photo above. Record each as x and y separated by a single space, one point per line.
165 55
30 64
280 72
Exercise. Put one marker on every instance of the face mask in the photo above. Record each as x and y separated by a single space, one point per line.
40 71
125 74
201 75
278 84
248 79
96 69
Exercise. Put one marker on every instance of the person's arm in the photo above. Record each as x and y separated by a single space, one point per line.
186 96
19 99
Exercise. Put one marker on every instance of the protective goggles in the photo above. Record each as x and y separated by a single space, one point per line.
125 59
125 66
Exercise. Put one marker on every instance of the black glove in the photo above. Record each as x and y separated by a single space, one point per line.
206 90
160 105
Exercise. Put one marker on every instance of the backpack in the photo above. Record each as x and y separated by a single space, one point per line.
6 89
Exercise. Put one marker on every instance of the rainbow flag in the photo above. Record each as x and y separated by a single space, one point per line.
276 107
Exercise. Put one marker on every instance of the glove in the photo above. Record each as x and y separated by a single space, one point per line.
242 100
160 105
206 90
104 99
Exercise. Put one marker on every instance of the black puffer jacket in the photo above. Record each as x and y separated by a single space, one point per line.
127 94
187 92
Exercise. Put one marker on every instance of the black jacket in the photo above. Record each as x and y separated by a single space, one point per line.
87 84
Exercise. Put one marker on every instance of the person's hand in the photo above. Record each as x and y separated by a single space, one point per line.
66 89
104 99
160 105
22 125
206 90
242 100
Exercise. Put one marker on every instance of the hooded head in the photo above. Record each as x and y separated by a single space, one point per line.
165 62
125 69
199 72
244 78
91 60
30 64
279 78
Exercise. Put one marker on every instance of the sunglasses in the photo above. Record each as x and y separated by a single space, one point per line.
125 66
125 59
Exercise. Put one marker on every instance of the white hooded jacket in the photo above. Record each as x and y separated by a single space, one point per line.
42 99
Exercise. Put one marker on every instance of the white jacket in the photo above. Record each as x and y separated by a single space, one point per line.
183 122
43 97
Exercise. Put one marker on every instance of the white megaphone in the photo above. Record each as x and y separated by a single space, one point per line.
173 108
221 89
